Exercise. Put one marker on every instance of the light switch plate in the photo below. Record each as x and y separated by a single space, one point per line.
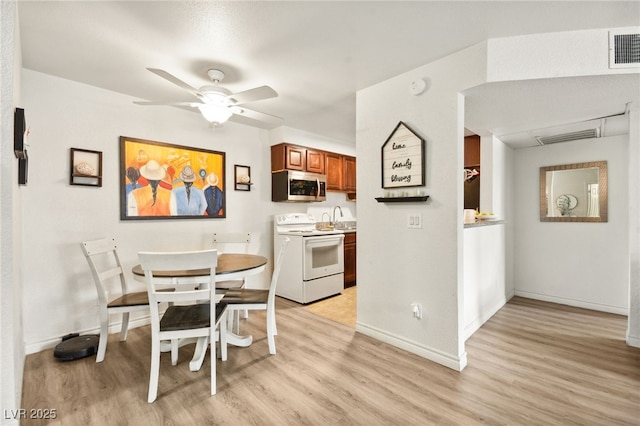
414 220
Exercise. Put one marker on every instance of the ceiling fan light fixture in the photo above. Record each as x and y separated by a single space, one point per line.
215 113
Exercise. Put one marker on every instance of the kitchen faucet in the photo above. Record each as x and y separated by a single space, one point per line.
322 218
334 214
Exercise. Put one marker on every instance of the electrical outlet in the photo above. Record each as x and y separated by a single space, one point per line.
414 220
417 310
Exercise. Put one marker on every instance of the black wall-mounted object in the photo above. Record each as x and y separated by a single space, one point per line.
23 172
19 131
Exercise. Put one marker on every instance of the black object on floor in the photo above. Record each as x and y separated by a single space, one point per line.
74 346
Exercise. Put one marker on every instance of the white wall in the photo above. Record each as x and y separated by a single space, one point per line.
59 295
396 265
11 331
488 258
486 284
633 330
580 264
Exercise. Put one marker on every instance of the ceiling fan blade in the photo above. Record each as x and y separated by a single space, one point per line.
183 104
176 81
252 95
244 115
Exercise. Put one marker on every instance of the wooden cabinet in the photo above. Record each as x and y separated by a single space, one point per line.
341 172
472 161
349 174
315 161
333 171
472 151
339 169
349 259
292 157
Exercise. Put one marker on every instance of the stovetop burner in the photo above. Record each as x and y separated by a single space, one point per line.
300 224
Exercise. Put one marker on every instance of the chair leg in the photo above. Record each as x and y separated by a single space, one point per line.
271 330
125 326
223 339
174 352
246 314
155 369
213 356
104 334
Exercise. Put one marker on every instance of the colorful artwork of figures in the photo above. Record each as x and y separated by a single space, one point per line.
165 181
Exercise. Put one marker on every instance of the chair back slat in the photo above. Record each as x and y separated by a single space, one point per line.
277 267
110 273
238 241
104 263
178 261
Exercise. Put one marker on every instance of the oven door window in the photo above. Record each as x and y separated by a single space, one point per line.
323 256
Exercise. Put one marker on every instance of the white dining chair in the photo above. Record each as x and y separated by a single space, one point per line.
254 299
114 296
236 242
192 312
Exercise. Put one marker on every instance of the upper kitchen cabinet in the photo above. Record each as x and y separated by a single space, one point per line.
315 161
472 172
341 172
349 174
472 151
292 157
334 171
339 169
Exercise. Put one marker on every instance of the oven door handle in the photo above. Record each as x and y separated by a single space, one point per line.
327 241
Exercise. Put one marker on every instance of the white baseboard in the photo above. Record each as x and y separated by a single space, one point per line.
633 340
573 302
114 327
474 325
431 354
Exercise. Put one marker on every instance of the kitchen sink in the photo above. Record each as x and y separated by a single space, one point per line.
346 225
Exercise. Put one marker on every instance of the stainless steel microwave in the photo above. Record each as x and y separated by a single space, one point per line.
289 185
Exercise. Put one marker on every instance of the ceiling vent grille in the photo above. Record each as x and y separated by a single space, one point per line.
624 49
568 137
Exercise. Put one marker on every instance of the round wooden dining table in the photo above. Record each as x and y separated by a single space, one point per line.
231 266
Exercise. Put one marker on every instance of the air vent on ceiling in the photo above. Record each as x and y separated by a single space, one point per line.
567 137
624 48
569 132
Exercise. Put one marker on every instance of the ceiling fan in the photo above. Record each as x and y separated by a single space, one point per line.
218 104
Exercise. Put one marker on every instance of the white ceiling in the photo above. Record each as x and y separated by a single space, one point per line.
316 55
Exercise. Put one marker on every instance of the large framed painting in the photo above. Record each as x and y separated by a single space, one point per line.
165 181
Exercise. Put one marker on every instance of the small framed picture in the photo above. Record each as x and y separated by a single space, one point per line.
86 167
242 178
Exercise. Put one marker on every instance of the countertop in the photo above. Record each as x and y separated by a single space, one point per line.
480 223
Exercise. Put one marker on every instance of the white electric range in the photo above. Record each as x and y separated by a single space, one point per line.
313 266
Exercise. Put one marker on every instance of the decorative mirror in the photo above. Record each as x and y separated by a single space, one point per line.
574 192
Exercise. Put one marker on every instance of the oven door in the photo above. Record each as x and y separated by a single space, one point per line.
323 256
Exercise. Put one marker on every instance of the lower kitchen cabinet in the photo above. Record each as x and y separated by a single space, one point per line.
349 259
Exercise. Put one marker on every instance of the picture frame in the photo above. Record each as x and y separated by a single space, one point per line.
162 181
403 159
242 178
85 167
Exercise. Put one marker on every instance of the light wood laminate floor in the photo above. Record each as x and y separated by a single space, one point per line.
533 363
340 308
